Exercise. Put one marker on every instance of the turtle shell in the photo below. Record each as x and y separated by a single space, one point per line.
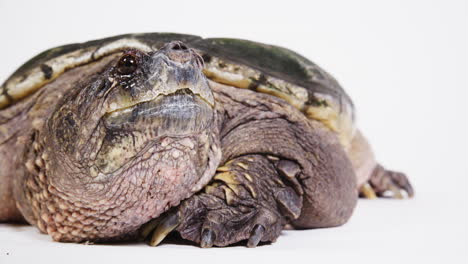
240 63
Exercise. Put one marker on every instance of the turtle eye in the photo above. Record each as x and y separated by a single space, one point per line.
127 65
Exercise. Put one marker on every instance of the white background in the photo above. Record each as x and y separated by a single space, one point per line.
404 63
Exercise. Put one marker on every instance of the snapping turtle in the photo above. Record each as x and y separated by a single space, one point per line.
219 140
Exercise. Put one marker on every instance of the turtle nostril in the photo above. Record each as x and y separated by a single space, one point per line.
178 51
179 46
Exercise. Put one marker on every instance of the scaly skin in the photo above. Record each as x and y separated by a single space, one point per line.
278 168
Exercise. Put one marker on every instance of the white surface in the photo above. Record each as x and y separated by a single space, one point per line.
404 63
380 232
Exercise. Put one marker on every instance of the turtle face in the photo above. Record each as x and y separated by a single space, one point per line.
139 99
165 91
143 124
155 95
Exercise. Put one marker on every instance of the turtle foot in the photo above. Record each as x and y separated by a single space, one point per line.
387 184
247 201
209 221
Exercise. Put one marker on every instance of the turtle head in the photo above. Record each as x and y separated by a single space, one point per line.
160 95
141 130
166 87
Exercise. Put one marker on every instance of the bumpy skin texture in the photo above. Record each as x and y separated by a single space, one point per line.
270 126
237 202
279 168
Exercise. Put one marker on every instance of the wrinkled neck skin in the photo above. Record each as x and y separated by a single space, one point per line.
98 175
77 203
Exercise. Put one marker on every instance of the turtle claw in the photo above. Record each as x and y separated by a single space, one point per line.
388 184
167 224
396 192
257 235
207 238
402 183
208 221
366 191
247 202
147 228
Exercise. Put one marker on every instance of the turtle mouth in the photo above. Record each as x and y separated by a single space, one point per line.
176 113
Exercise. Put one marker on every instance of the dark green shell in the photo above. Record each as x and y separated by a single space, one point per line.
240 63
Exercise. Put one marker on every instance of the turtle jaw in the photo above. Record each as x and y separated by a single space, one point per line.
176 114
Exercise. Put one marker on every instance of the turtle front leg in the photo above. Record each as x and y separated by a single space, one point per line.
279 167
247 200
